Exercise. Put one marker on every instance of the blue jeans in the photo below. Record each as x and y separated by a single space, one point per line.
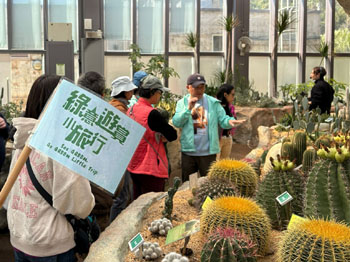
68 256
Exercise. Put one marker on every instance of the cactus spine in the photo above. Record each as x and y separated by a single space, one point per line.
315 241
228 245
327 192
299 144
241 213
309 157
274 184
241 174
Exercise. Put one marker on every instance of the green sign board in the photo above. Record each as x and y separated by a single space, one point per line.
135 242
284 198
182 231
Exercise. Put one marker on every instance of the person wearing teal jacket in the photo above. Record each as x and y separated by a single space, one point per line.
199 115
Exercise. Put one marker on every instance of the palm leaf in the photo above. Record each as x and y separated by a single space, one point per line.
229 22
191 40
285 21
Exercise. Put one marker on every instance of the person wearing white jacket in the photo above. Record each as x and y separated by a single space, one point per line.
38 231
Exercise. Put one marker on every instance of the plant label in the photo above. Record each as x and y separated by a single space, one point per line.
284 198
295 220
207 201
135 242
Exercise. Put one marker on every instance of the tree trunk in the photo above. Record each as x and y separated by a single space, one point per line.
273 84
228 57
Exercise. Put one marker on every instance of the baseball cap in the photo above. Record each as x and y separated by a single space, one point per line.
151 82
195 80
138 76
120 84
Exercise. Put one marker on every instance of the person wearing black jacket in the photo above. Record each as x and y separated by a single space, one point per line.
322 93
4 134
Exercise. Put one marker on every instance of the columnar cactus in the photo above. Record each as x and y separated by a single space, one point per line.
327 192
241 213
229 245
299 144
287 151
315 241
323 140
309 158
240 173
213 188
274 184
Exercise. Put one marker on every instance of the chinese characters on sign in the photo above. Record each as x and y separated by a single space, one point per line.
87 135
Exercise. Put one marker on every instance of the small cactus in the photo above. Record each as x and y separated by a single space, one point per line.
151 251
168 203
229 245
160 226
315 241
240 173
309 158
240 213
213 188
287 151
299 144
174 257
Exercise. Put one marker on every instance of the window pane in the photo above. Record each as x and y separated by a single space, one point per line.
259 15
212 13
65 12
310 63
183 66
112 71
288 41
25 69
117 25
286 70
5 76
27 24
342 69
316 17
259 73
210 65
150 26
3 24
342 30
182 22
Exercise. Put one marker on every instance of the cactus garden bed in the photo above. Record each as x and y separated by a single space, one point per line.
182 213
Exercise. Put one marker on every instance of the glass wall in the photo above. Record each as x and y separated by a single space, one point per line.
5 76
259 73
316 18
288 41
342 69
182 22
65 12
117 25
3 24
211 16
116 66
287 71
182 65
209 66
259 15
312 62
342 30
27 24
150 24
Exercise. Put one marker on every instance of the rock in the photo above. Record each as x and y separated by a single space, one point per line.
273 152
264 134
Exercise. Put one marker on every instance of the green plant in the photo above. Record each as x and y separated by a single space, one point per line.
191 41
287 151
323 49
241 174
158 66
315 241
213 188
229 23
135 58
241 213
168 103
274 184
327 192
339 88
228 245
299 146
309 158
168 203
11 110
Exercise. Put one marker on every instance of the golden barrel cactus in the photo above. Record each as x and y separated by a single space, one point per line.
315 241
240 213
240 173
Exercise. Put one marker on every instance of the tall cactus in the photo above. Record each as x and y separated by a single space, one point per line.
327 192
287 151
240 213
240 173
316 241
274 184
299 144
309 158
228 245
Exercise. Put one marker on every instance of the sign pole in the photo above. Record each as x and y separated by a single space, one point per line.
11 179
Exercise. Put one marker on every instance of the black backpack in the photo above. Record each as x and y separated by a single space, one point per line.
86 231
